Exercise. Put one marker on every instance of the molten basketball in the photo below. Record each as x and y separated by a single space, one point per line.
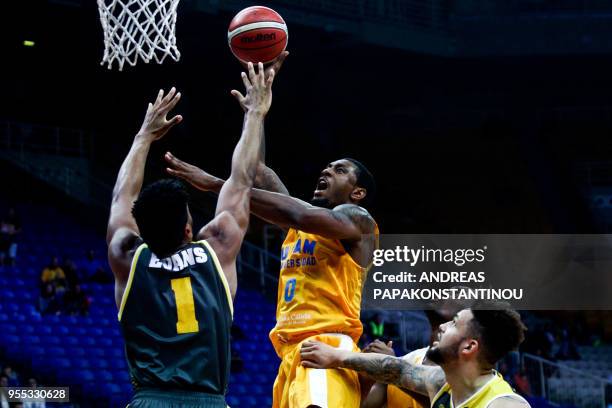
257 34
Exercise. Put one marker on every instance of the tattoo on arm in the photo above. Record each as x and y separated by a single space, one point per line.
359 215
426 380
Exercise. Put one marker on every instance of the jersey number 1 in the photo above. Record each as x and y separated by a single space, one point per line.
185 307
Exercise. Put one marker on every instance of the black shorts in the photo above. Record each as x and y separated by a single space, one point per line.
159 398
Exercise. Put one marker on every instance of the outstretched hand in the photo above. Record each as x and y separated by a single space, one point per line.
271 69
191 174
155 124
258 90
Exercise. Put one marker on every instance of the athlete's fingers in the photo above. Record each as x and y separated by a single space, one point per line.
252 76
172 103
390 344
260 73
239 97
245 80
270 79
168 96
175 173
309 364
160 95
176 162
175 120
279 61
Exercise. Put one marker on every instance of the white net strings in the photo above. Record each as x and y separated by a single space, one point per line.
138 28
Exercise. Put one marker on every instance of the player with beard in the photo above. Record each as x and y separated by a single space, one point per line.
467 349
324 260
384 395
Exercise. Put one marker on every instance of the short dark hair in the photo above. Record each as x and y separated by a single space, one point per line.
499 329
161 214
365 179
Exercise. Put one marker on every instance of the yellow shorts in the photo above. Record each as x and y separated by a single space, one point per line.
299 387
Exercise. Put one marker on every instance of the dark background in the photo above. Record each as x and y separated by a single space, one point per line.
457 142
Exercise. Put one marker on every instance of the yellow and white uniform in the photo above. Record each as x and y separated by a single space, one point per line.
495 388
319 297
396 398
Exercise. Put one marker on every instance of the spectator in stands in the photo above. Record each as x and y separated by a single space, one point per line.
32 383
54 275
10 228
76 301
521 383
3 396
93 269
376 327
70 271
48 302
567 349
13 377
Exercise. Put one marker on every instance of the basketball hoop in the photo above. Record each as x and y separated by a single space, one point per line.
138 28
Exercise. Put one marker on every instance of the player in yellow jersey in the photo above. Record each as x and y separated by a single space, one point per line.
325 255
467 349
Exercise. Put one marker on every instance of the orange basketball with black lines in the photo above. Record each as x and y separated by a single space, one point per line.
257 34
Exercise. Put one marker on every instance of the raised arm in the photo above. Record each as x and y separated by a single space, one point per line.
426 380
226 231
122 231
266 178
346 221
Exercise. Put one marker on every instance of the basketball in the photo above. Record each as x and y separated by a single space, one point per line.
257 34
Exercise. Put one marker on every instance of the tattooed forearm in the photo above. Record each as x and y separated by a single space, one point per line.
385 369
393 370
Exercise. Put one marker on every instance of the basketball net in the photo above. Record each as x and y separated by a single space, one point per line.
138 28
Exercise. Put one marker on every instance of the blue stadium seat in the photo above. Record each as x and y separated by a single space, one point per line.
95 331
35 351
105 342
80 331
50 339
79 362
86 375
122 377
30 339
105 376
98 364
117 363
126 388
8 328
61 363
57 351
233 401
60 330
88 341
71 341
12 339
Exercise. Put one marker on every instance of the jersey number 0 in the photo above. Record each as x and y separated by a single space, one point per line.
185 307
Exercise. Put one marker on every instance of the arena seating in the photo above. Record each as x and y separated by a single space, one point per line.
86 352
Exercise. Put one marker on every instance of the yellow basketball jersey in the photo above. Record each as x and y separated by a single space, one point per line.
319 290
396 398
495 388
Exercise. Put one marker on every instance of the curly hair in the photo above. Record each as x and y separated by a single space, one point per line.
161 214
499 329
